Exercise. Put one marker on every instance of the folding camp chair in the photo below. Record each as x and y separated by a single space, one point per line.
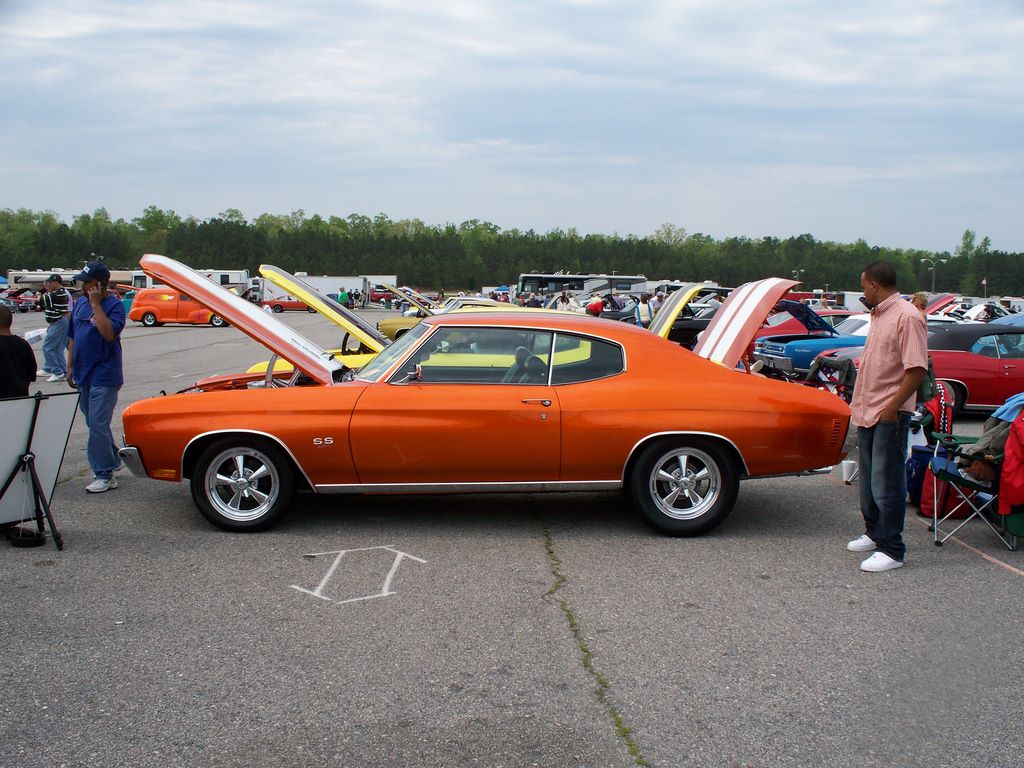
979 498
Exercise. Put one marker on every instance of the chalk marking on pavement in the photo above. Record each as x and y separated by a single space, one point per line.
318 590
986 555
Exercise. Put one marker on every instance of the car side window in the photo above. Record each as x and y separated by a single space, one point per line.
986 346
1011 345
463 355
580 358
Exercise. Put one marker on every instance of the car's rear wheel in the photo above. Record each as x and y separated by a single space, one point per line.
243 484
217 321
278 309
959 395
311 310
149 320
684 487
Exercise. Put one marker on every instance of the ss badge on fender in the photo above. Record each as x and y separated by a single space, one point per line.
323 441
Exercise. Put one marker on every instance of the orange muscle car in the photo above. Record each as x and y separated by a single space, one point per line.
553 401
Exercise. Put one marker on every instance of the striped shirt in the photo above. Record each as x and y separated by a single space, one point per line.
897 342
56 304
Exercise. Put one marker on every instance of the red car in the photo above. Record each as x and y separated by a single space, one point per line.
783 322
983 363
25 299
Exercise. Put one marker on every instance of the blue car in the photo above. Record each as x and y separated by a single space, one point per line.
1017 319
791 354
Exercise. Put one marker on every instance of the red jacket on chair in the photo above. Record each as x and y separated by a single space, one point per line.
1011 478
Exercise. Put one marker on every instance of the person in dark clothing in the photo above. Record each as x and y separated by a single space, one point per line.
55 302
17 360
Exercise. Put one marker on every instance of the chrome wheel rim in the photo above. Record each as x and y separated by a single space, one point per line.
242 484
685 483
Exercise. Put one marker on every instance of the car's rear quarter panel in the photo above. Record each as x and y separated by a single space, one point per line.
778 427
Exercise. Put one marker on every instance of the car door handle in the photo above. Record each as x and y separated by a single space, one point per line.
545 403
1008 367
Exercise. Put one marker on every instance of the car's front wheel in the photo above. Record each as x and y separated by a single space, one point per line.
278 309
217 321
684 487
242 484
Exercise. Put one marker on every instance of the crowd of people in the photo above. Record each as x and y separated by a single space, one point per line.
82 346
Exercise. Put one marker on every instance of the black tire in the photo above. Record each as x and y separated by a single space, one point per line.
959 395
149 320
217 321
250 505
278 309
692 507
311 310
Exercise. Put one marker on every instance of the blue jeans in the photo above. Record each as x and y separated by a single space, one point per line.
883 483
55 347
97 403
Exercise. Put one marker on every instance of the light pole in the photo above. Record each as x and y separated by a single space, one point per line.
932 266
797 273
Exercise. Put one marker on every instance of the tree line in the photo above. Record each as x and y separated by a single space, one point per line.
477 253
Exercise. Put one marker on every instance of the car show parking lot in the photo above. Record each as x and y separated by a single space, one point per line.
492 630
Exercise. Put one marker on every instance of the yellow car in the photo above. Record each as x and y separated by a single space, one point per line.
393 327
361 341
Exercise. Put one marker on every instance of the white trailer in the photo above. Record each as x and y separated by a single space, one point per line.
329 284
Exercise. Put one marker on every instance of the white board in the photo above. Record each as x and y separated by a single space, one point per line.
48 442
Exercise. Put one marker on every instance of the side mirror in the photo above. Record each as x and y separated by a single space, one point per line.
416 374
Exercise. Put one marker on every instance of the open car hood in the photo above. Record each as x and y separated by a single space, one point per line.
420 302
740 318
260 326
807 317
673 305
939 302
341 316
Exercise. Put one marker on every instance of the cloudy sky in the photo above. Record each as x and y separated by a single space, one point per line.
896 121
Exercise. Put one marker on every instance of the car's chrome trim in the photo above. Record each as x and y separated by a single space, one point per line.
522 487
802 473
130 456
274 438
673 433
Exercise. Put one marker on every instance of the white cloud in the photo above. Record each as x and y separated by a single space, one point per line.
508 97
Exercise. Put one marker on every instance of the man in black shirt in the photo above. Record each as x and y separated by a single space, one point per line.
17 360
56 303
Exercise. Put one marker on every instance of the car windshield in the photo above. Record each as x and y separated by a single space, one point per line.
375 369
778 319
850 326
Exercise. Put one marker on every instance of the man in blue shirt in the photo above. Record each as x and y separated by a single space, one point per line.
94 364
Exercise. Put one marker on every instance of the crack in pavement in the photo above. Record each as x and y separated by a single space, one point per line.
602 688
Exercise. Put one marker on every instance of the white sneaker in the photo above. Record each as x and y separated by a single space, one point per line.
879 562
56 377
862 543
41 372
99 485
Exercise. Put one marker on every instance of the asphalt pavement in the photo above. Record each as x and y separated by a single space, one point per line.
520 630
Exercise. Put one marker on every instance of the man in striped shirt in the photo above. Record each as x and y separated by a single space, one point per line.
894 362
56 303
